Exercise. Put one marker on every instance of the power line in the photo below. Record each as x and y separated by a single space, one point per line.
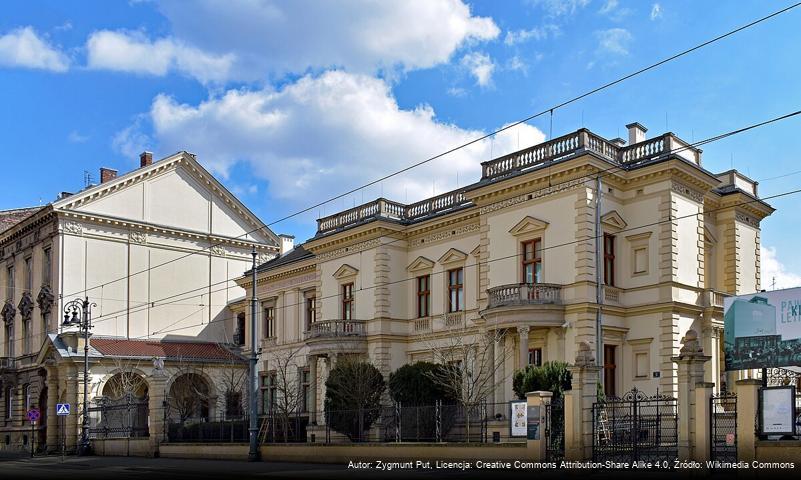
471 142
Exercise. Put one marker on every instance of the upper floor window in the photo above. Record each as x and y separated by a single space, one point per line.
28 274
268 388
269 322
9 403
305 390
311 312
535 357
47 265
532 261
456 290
10 283
423 296
10 340
239 335
347 301
609 259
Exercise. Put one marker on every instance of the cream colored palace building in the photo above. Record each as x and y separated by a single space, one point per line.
516 253
156 251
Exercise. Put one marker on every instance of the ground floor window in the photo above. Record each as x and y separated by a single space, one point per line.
609 370
535 357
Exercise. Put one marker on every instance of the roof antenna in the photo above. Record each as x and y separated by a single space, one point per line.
87 179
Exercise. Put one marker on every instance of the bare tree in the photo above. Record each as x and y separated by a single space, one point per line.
285 365
234 381
471 365
126 381
190 393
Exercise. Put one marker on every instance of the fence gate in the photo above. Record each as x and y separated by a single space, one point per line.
723 427
635 427
555 430
118 418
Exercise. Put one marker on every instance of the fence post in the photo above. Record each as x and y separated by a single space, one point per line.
747 411
578 404
690 363
536 403
438 420
703 420
156 411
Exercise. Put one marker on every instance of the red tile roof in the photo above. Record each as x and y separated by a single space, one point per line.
9 218
169 350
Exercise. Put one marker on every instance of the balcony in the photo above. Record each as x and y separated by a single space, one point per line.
712 298
517 304
337 336
7 363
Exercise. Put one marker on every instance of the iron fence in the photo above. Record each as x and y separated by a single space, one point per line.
723 427
555 430
124 417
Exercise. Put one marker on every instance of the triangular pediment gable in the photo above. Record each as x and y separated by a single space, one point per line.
345 271
476 251
452 256
420 263
527 225
614 220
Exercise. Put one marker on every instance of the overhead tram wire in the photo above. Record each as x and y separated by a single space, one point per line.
603 173
466 144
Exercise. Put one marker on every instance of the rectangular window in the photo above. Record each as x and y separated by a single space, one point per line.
28 274
9 403
347 301
268 388
456 290
269 322
532 261
233 404
641 260
423 296
535 357
641 365
609 370
26 335
47 265
609 259
239 335
311 312
10 283
305 390
45 326
10 340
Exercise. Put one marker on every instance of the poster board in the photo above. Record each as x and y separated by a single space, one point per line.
518 418
777 410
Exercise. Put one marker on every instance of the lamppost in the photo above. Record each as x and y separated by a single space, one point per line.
78 313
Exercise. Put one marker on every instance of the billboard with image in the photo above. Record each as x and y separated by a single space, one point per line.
762 330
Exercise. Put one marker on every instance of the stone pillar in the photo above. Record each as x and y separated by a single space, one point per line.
578 404
157 383
53 438
523 332
747 411
690 363
71 422
313 388
703 412
536 403
499 364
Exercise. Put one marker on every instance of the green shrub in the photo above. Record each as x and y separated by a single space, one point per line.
413 385
551 377
353 397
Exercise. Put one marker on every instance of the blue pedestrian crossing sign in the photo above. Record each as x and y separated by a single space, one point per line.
62 409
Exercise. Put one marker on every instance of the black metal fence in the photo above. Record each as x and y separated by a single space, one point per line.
124 417
723 427
555 430
635 427
391 423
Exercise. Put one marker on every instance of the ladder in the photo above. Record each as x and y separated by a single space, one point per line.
603 427
264 429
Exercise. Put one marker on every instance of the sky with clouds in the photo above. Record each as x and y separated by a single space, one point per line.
290 103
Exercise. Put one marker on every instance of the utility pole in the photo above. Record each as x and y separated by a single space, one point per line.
254 454
599 296
84 324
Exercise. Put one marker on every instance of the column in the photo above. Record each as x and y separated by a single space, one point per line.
157 398
53 438
523 332
499 363
313 388
536 403
690 363
703 412
579 402
747 411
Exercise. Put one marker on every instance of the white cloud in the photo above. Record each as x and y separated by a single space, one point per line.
557 8
22 47
536 33
516 64
772 268
457 92
656 11
614 41
131 141
132 52
76 137
362 36
324 134
479 65
612 10
608 7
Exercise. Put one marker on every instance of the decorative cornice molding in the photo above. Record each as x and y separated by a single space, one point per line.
747 219
358 247
561 187
72 227
687 191
137 237
445 234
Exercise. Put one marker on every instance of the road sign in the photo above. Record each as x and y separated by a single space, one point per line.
33 414
62 409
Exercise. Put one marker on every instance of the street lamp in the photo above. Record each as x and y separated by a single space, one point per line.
78 313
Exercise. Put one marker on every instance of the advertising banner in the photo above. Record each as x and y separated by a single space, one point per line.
762 330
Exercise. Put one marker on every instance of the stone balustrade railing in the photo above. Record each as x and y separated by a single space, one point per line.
7 363
713 298
336 328
524 294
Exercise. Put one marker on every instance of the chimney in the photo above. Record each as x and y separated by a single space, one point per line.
287 243
107 174
636 133
618 142
145 159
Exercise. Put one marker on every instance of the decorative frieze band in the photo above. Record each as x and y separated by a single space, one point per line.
747 219
560 187
137 237
469 228
73 227
359 247
683 189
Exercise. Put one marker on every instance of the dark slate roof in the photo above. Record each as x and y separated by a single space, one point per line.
9 218
295 255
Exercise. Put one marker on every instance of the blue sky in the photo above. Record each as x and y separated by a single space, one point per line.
289 103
